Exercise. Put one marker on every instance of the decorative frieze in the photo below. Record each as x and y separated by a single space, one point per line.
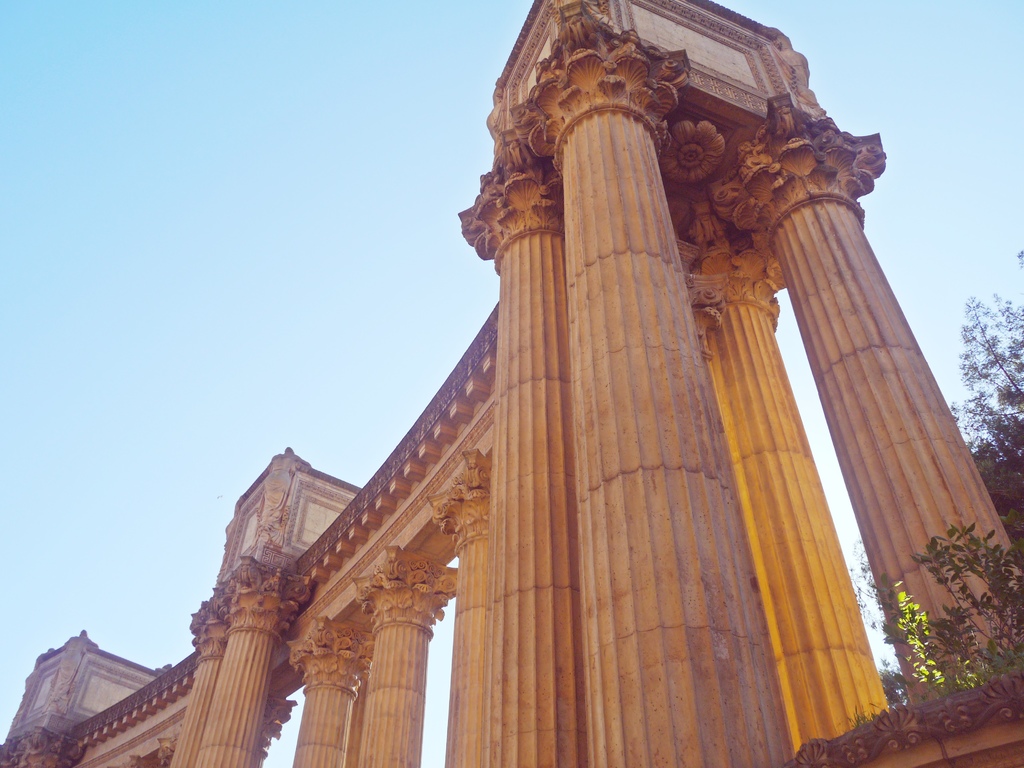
463 510
333 653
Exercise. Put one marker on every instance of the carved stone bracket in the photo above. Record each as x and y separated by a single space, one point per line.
463 510
707 296
263 598
795 158
521 194
333 654
407 589
209 626
40 748
593 68
902 728
277 712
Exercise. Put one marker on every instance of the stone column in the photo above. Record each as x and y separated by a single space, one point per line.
333 659
262 603
463 512
404 597
209 627
354 740
679 663
908 471
825 664
535 670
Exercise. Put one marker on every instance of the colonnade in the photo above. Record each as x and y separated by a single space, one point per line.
648 572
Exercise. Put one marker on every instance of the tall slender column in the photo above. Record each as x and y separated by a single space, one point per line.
679 663
263 601
333 659
908 471
463 512
354 739
825 664
404 597
209 627
535 671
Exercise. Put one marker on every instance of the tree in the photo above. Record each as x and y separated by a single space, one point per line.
992 419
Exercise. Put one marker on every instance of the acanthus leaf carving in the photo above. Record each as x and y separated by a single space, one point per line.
277 712
463 510
264 598
333 653
406 588
209 626
40 748
794 158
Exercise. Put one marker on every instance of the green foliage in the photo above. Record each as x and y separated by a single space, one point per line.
981 635
992 419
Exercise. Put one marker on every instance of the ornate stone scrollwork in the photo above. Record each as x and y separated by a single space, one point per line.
263 598
334 654
40 748
792 159
165 752
277 712
521 194
463 510
407 589
693 153
209 626
594 68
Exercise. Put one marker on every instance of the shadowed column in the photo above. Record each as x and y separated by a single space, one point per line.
679 668
333 659
404 598
535 674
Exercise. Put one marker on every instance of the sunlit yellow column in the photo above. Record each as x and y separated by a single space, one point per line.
333 659
908 471
825 664
262 603
535 672
209 627
404 597
679 663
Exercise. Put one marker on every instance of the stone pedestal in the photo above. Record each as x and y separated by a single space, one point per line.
333 659
263 601
209 627
906 466
463 512
825 665
535 672
679 663
404 598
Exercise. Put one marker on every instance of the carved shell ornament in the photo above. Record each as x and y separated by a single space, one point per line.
694 153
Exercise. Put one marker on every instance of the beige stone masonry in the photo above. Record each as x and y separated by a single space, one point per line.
404 597
535 670
679 661
825 665
263 601
463 512
908 471
209 626
333 658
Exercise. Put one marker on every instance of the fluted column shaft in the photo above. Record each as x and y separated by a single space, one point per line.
198 713
405 596
680 670
536 675
232 735
354 738
825 664
322 733
908 471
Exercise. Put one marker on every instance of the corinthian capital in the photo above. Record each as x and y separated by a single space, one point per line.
277 712
792 159
407 589
209 626
40 748
591 69
263 598
521 194
750 275
463 510
333 654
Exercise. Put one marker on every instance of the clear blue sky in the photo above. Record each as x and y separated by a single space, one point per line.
227 228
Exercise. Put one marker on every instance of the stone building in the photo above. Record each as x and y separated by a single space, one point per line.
617 461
